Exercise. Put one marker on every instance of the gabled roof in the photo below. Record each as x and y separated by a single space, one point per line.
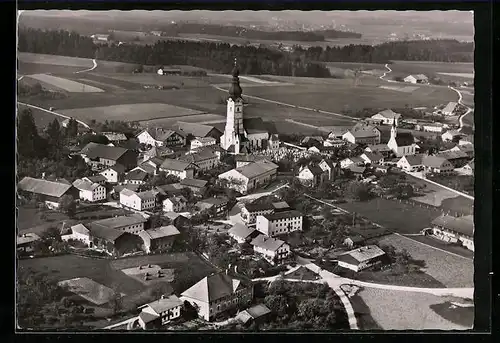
146 195
452 155
129 186
389 114
267 243
362 254
165 304
255 169
160 134
171 164
414 160
465 148
197 130
120 169
258 311
137 174
378 147
280 205
471 164
80 228
373 156
104 232
199 155
362 133
329 163
255 125
356 169
354 159
419 77
204 140
27 238
240 231
209 202
176 199
283 215
433 161
315 169
450 107
95 150
193 183
154 161
214 287
84 185
404 139
162 231
258 207
463 225
44 187
114 136
453 133
158 151
121 221
95 178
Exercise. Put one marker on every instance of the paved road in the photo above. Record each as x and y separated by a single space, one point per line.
89 69
294 106
389 70
125 322
469 110
54 113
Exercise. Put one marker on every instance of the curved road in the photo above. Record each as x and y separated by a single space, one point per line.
469 110
389 70
89 69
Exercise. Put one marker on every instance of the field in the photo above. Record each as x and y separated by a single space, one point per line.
394 215
130 112
196 118
450 270
154 274
26 68
396 310
83 63
461 75
435 198
89 290
65 84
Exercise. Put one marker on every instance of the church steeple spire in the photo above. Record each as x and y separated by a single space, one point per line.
394 131
235 90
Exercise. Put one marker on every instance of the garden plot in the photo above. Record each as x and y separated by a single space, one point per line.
89 290
150 274
131 112
65 84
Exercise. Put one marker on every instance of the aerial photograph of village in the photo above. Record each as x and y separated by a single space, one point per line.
244 170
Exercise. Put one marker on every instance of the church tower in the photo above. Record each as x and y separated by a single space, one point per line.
234 130
394 131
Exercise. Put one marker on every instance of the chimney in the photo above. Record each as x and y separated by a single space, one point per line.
162 296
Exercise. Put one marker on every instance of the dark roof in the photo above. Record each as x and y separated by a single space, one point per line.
147 317
452 155
315 169
104 232
267 243
258 311
131 144
249 158
121 221
193 183
240 230
258 207
363 133
161 232
164 304
171 164
283 215
404 139
414 160
216 201
214 287
137 174
118 168
96 178
356 169
199 155
119 188
463 225
255 169
281 205
374 156
254 125
44 187
197 130
434 161
95 150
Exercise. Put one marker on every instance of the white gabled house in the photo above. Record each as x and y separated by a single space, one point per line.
138 201
160 312
411 163
372 158
181 169
174 204
386 117
274 250
89 191
114 174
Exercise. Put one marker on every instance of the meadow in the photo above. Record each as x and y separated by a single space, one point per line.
27 57
65 84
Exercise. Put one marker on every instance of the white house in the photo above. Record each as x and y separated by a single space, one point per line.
411 163
401 144
114 174
362 137
138 201
174 204
160 312
249 212
346 162
279 223
90 191
329 167
361 258
273 143
204 159
251 176
453 229
218 293
312 175
468 169
161 137
435 164
200 142
419 78
273 250
241 233
386 117
181 169
78 233
372 158
450 135
435 127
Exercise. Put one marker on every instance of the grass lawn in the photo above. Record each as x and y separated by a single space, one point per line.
363 314
28 217
450 270
396 310
302 274
393 215
458 315
412 279
130 112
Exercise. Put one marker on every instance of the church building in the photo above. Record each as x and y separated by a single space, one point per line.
401 144
243 135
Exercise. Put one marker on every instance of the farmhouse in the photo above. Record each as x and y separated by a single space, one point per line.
362 137
279 223
114 174
274 250
218 293
216 204
456 158
242 233
312 175
204 159
383 149
114 242
450 135
372 158
361 258
181 169
151 165
411 163
114 137
160 312
200 142
331 168
26 241
346 162
257 313
133 223
244 159
159 137
449 109
252 176
48 191
452 229
401 144
137 176
196 185
178 220
198 130
386 117
100 156
79 232
356 170
249 212
138 201
174 204
436 164
354 241
336 132
90 191
419 78
159 239
435 127
158 152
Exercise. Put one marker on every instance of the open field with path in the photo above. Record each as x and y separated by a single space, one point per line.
396 310
65 84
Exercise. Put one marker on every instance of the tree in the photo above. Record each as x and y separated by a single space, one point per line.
67 205
276 303
358 191
54 132
72 128
116 302
29 143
